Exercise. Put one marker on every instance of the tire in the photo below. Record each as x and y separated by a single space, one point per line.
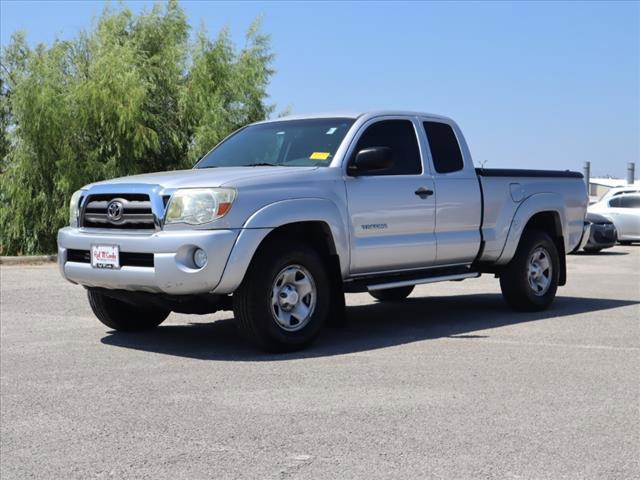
392 294
532 289
284 299
123 316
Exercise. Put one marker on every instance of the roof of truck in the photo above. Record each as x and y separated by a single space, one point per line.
355 115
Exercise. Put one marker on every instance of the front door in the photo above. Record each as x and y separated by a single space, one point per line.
391 212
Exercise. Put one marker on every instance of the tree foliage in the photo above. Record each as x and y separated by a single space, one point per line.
132 95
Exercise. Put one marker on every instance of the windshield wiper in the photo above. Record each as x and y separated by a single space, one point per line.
261 164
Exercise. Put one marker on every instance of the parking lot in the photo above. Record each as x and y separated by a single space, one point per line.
449 384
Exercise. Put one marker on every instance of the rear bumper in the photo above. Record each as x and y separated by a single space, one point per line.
172 272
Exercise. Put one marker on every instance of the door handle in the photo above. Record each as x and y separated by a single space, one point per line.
424 192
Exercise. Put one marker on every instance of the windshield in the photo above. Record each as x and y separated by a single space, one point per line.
289 143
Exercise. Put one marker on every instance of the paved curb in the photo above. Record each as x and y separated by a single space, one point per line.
29 260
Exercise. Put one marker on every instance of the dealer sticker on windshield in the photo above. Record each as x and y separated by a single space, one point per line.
319 155
105 256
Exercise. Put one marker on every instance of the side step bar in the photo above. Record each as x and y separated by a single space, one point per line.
372 282
419 281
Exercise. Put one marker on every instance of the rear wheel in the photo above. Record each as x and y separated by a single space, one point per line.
124 316
283 300
530 280
392 294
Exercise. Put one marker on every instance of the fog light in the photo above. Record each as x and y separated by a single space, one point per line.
200 258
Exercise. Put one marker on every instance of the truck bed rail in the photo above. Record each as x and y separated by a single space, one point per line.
515 172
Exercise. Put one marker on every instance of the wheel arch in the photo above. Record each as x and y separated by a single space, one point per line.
544 212
313 221
549 222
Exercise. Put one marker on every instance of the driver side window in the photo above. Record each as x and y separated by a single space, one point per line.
400 137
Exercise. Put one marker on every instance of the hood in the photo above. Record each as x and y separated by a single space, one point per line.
204 177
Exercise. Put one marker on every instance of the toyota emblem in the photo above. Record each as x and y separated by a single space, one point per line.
114 210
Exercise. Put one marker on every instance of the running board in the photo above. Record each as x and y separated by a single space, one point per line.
420 281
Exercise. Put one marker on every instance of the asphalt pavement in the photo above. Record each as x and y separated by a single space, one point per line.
449 384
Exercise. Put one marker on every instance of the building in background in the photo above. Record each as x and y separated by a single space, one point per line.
599 186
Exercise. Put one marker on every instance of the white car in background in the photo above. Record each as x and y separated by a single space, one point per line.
615 191
623 209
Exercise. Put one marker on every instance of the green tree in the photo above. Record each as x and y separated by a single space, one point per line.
5 122
131 95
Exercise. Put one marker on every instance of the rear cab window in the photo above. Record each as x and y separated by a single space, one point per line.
445 150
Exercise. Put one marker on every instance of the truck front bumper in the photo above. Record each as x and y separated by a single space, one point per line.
167 257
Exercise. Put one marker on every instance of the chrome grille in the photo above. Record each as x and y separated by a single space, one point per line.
134 211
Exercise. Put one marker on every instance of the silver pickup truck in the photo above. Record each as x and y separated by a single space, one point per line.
283 217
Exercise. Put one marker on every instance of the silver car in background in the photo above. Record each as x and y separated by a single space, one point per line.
623 209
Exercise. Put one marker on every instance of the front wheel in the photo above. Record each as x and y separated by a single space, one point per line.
124 316
530 280
392 294
283 300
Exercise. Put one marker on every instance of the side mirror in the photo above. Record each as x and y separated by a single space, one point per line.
371 159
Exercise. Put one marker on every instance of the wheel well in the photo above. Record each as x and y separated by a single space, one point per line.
316 234
549 222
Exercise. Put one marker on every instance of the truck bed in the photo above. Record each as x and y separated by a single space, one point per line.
506 191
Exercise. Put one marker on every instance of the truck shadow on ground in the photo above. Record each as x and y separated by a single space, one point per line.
369 327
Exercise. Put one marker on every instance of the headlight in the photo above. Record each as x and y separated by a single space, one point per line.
196 206
74 208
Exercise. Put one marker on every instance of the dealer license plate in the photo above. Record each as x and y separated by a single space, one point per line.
105 256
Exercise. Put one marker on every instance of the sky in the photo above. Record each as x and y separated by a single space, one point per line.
532 85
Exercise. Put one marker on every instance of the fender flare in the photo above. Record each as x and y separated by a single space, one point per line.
537 203
277 214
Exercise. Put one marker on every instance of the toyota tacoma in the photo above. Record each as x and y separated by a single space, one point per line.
284 217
